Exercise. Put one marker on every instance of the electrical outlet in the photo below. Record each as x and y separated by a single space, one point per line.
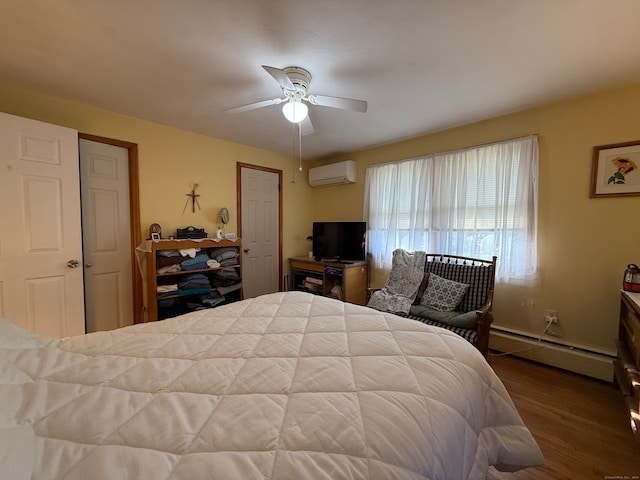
551 316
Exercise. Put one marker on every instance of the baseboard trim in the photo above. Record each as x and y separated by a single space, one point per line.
583 360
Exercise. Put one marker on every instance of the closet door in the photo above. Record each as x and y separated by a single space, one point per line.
41 275
261 223
104 170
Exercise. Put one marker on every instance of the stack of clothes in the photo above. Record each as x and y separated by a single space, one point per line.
172 261
226 256
212 299
199 262
166 292
168 261
226 280
194 284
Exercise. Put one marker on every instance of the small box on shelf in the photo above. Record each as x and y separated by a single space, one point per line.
314 287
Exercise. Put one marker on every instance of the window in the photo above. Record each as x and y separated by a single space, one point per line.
476 202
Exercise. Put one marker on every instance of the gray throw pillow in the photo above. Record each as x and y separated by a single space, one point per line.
442 294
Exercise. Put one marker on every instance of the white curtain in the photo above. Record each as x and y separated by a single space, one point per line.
478 202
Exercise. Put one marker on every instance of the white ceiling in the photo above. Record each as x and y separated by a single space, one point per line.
423 65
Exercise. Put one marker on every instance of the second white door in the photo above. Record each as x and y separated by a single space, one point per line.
106 235
260 204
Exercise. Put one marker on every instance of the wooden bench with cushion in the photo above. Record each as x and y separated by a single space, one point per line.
462 302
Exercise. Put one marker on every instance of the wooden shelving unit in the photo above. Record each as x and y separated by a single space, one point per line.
210 246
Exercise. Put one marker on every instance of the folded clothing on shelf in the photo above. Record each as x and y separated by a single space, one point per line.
194 284
169 269
195 266
194 280
212 299
194 291
168 253
224 290
167 288
226 256
168 261
225 277
200 258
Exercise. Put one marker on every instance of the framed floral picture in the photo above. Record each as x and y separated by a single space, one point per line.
616 170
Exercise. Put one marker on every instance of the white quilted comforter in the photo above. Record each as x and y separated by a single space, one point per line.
283 386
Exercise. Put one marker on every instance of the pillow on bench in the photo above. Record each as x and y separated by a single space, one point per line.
442 294
452 319
476 278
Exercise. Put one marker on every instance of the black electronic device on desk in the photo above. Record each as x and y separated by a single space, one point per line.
340 242
190 232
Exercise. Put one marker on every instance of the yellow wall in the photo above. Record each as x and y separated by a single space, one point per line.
584 243
171 161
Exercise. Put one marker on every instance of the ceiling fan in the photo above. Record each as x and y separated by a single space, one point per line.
294 82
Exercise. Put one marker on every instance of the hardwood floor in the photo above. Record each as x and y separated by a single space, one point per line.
579 423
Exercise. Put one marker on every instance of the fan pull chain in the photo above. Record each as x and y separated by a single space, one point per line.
299 147
293 153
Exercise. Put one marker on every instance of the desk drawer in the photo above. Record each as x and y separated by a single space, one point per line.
312 267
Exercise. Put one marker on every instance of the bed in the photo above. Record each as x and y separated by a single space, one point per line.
283 386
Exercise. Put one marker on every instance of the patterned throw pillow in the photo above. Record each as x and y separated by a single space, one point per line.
442 294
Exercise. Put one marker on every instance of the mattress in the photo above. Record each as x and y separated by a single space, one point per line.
282 386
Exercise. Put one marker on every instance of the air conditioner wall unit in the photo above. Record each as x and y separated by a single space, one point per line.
333 174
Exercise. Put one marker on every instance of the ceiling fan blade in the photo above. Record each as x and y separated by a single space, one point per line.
338 102
306 128
280 77
253 106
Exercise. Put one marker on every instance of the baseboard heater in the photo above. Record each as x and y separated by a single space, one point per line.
575 358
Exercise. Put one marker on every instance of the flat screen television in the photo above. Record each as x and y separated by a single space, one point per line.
339 241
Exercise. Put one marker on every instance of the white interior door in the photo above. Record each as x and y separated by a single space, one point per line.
41 284
260 204
106 235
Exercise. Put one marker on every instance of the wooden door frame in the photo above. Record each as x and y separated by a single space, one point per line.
134 216
239 167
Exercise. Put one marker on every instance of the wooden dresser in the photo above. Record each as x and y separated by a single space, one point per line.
627 365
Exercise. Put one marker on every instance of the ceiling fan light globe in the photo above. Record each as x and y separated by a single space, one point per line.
295 111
